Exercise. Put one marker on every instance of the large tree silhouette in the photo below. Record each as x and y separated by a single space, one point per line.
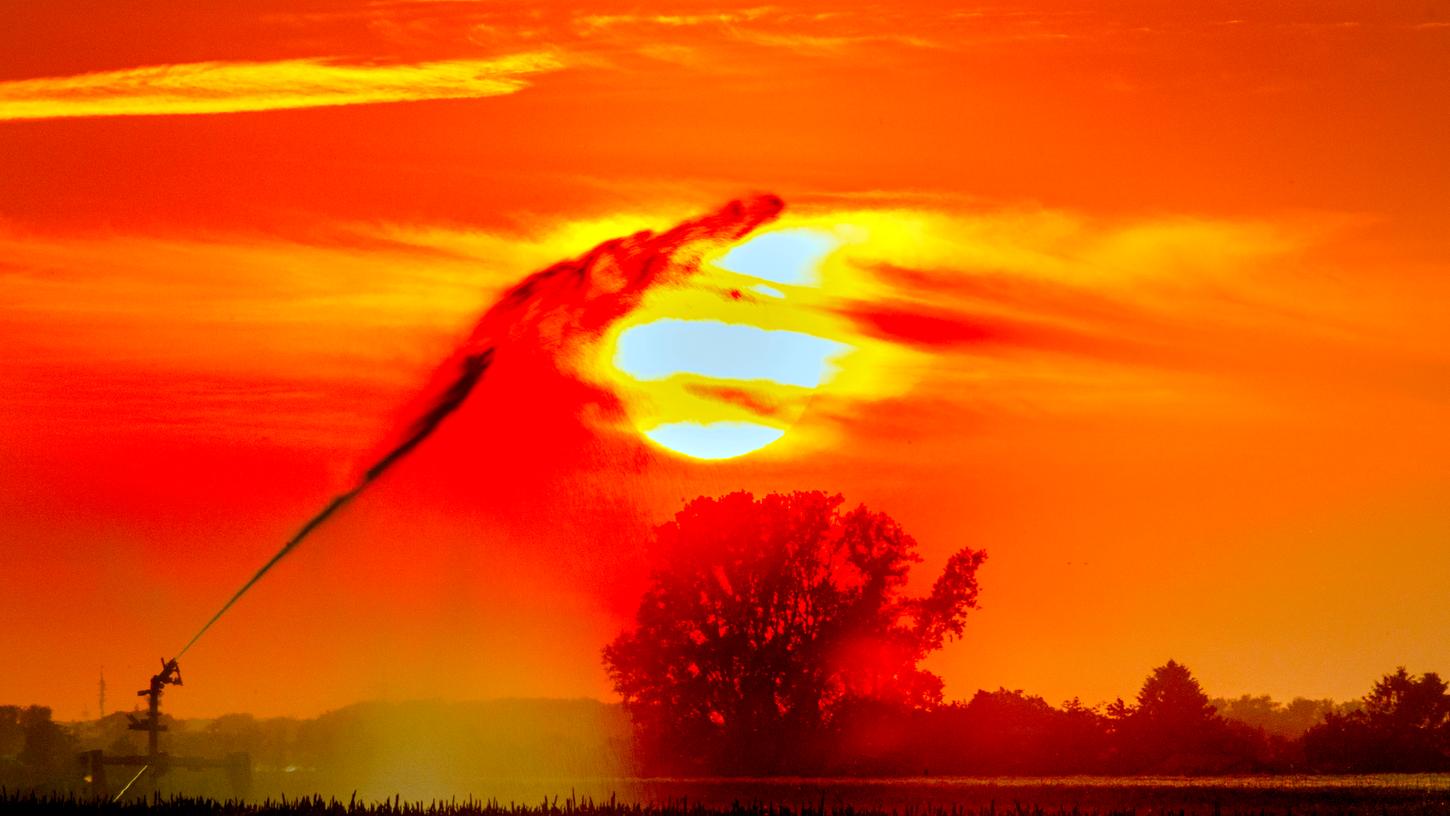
766 621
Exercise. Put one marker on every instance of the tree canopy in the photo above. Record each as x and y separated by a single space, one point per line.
767 622
1404 725
1173 727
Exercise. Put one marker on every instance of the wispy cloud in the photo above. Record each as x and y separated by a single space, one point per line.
822 34
232 87
1181 310
594 22
828 44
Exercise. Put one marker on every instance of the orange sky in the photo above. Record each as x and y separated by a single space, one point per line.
1157 289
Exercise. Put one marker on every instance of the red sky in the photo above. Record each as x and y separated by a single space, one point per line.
1154 295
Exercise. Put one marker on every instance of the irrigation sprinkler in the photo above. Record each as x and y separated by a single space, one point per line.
155 763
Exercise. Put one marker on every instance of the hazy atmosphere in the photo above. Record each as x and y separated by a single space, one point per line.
572 363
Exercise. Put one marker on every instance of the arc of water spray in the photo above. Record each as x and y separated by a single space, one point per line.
603 285
473 368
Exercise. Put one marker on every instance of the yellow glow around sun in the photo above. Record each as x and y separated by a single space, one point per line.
726 364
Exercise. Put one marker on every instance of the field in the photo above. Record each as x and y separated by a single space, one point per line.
1390 795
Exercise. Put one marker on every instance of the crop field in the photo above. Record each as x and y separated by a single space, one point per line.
1406 796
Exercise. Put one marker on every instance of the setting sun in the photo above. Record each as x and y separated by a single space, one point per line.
728 379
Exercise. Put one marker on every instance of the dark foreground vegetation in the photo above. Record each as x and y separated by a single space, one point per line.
983 800
776 636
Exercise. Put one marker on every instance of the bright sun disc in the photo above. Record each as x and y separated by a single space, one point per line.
714 440
725 367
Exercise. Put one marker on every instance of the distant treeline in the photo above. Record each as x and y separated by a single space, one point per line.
1171 727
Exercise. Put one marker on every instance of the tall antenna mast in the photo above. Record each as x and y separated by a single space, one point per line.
103 692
